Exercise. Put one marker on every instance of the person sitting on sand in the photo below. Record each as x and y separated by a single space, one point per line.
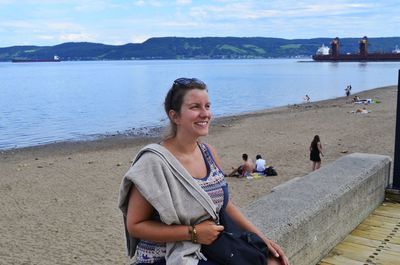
362 101
243 170
260 165
362 111
356 99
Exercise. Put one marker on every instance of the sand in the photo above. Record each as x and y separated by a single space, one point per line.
59 202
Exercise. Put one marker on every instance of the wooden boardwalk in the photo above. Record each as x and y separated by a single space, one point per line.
376 241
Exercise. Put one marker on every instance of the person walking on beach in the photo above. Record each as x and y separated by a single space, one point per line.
315 152
348 90
174 190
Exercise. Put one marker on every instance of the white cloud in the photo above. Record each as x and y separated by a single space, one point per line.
153 3
46 37
94 5
17 24
76 37
58 26
183 2
140 3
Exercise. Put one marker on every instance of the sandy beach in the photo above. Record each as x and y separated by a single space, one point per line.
59 202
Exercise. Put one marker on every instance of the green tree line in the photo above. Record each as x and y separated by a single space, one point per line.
193 48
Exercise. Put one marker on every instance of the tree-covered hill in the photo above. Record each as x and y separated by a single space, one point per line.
193 48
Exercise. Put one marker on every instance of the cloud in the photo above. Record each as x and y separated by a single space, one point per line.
46 37
152 3
140 3
183 2
95 6
60 25
76 37
17 24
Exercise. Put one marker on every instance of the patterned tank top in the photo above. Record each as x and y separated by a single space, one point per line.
213 183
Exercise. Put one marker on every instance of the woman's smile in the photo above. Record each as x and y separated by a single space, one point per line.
195 115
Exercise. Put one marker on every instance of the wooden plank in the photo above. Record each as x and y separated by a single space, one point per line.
388 210
366 254
375 241
388 213
371 234
375 236
380 218
379 223
363 241
353 252
340 260
371 250
391 205
379 229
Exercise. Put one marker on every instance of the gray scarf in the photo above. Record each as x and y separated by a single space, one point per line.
174 194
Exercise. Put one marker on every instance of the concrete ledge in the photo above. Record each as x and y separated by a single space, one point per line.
310 215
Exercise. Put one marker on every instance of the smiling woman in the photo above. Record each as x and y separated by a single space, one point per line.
172 195
174 101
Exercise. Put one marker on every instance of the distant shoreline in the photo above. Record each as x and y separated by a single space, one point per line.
191 48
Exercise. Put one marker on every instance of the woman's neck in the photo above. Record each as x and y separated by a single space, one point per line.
182 145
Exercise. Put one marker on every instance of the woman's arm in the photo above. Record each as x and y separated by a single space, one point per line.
320 148
140 224
245 224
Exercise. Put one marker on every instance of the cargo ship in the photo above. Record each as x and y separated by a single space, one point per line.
55 59
325 54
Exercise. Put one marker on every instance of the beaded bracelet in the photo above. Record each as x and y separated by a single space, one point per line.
193 233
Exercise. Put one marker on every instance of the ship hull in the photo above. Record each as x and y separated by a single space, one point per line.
370 57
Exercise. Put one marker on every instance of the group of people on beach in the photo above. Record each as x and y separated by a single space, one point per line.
175 191
248 168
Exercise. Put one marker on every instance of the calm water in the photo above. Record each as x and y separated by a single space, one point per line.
47 102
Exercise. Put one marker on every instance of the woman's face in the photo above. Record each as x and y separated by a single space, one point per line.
195 115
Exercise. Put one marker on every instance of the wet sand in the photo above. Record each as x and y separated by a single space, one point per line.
59 202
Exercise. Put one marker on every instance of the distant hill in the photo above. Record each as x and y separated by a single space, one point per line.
193 48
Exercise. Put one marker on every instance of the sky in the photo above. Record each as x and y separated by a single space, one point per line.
52 22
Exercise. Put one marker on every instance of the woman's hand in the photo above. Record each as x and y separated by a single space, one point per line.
207 231
277 252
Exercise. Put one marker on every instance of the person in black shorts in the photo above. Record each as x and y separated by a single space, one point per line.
315 152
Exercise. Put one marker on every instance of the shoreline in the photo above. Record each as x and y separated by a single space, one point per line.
59 201
116 140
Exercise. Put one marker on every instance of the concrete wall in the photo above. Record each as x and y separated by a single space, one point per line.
310 215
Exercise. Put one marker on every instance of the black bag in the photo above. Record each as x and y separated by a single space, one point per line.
236 247
270 171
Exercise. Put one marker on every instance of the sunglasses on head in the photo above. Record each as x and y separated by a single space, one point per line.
189 82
